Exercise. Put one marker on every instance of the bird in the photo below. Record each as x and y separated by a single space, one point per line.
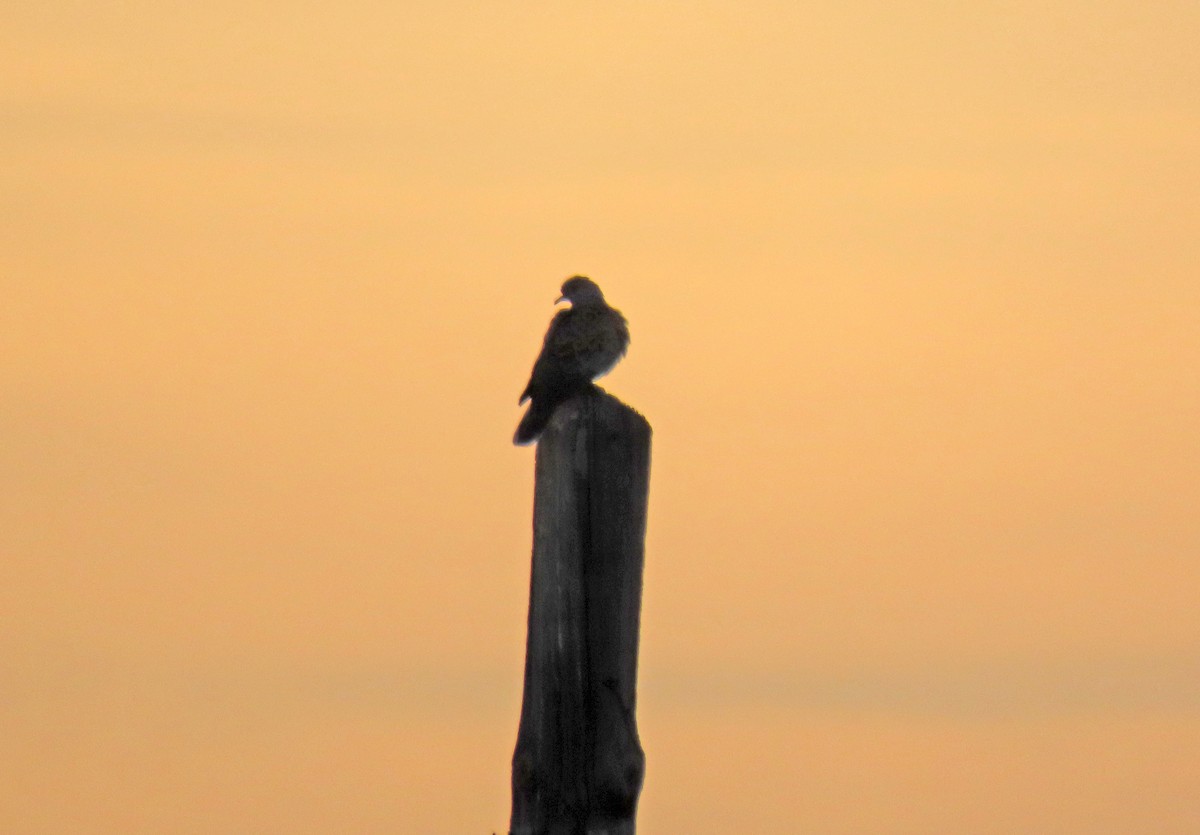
583 342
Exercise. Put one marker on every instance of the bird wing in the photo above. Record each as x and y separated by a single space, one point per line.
557 351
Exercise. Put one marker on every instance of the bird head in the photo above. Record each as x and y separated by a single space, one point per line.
581 290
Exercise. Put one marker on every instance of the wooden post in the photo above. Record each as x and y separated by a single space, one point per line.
578 764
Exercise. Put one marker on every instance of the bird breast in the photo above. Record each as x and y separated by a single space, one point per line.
603 339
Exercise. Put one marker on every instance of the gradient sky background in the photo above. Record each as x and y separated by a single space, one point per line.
914 294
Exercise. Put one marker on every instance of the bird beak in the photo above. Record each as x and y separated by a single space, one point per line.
560 299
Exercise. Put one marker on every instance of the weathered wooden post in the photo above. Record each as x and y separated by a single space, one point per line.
578 764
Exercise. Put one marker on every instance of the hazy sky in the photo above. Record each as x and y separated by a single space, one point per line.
914 292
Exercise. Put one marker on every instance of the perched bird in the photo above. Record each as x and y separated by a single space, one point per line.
584 342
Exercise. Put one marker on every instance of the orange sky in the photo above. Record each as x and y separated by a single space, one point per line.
913 293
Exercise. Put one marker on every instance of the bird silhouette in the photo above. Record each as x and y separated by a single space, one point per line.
584 342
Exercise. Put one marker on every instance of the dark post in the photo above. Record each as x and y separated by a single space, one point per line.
578 765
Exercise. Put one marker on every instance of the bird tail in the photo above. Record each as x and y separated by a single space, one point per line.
535 420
